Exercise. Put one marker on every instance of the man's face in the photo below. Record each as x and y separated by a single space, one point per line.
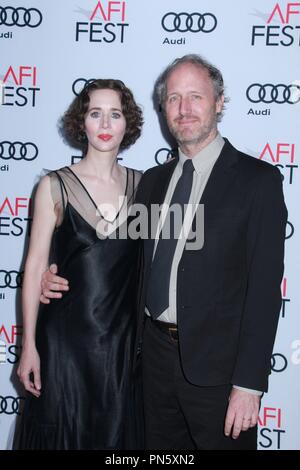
191 108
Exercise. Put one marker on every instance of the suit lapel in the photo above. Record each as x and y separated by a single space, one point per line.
162 181
221 178
157 197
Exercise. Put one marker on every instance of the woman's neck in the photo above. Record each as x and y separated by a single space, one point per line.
103 165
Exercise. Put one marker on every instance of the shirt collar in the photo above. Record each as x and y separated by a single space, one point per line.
206 156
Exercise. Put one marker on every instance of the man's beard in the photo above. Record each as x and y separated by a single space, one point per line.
198 135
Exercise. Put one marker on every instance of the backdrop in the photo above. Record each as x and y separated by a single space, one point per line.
48 50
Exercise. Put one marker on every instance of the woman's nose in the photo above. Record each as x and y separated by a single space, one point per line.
105 121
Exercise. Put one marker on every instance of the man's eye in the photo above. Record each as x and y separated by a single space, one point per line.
172 99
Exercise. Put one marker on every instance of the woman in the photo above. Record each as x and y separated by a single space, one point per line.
77 352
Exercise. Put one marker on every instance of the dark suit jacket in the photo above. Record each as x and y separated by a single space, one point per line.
228 293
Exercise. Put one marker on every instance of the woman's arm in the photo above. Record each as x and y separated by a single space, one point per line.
43 225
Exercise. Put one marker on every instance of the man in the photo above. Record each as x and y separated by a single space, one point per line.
211 313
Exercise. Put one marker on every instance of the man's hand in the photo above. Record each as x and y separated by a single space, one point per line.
51 284
242 412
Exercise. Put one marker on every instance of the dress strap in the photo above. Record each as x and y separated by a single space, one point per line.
63 189
136 177
133 180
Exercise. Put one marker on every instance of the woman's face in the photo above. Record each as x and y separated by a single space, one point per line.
105 123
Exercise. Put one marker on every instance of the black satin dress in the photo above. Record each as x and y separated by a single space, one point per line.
90 396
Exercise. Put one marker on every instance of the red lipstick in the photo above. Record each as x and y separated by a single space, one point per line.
105 137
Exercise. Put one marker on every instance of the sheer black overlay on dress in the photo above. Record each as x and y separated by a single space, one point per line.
90 396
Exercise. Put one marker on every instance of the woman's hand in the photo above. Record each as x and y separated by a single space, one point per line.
30 364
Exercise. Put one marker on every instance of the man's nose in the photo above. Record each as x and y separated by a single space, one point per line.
185 106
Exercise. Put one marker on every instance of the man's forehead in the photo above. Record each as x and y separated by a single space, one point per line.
188 74
189 67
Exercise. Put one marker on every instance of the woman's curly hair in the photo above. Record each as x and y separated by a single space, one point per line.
72 122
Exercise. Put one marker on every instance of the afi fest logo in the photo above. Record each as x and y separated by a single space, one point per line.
10 351
19 86
283 156
106 23
18 17
187 23
15 216
270 428
285 299
281 28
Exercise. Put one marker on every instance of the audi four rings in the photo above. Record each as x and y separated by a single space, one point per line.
12 279
31 17
269 93
167 153
278 362
77 87
192 22
18 150
10 405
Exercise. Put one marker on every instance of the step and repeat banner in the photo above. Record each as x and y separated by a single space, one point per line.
47 52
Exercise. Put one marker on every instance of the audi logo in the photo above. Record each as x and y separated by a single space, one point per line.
18 150
79 84
291 228
31 17
11 279
192 22
269 93
164 154
10 405
278 362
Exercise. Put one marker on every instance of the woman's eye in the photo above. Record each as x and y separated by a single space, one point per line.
95 114
116 115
